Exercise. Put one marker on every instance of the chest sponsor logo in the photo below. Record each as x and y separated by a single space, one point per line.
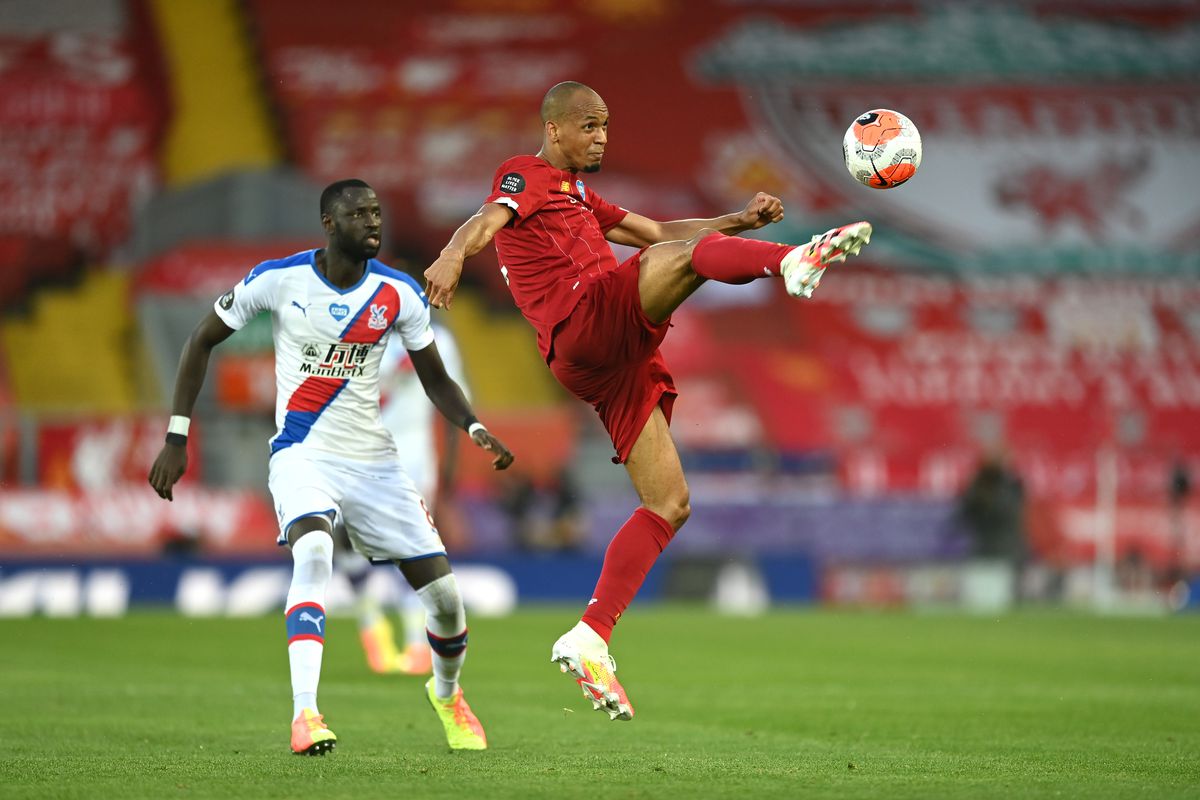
512 183
582 191
226 300
339 311
378 320
334 360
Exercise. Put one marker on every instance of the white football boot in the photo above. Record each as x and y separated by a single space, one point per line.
582 654
803 266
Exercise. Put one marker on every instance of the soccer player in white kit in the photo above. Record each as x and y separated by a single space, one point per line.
333 310
409 417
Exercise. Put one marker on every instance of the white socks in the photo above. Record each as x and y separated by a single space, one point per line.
312 558
446 623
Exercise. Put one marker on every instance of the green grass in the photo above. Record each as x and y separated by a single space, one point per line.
794 704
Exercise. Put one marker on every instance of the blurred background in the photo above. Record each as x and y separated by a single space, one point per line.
997 404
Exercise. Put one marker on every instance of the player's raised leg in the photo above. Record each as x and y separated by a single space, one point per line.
670 272
654 467
446 623
312 557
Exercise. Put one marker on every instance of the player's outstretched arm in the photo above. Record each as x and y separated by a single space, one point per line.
441 279
449 399
638 231
447 464
193 365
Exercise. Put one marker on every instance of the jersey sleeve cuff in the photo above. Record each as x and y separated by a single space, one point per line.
426 338
227 318
508 201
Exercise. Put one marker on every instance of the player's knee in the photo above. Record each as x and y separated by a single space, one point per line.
699 236
443 600
681 515
677 509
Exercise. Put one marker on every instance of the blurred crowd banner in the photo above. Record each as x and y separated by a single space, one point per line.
92 498
132 519
1065 131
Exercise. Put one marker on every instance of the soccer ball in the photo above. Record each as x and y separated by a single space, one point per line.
882 149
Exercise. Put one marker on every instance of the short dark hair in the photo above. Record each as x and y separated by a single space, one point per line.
334 191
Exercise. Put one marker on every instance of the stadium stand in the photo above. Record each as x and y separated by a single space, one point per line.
951 338
220 121
83 110
76 351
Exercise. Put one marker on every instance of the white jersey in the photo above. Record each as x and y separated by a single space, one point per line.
328 346
408 413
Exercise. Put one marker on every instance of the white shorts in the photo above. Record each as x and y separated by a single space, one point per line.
384 515
423 471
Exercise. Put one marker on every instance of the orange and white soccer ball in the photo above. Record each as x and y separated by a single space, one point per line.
882 149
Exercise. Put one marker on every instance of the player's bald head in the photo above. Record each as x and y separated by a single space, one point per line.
574 127
563 98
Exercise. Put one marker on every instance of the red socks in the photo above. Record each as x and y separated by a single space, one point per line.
729 259
630 555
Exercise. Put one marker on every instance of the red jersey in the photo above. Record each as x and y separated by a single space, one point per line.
554 245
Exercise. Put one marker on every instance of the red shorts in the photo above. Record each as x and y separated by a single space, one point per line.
606 353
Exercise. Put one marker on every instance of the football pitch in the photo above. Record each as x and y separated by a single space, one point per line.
803 703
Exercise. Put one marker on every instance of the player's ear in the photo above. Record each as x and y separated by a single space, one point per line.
552 131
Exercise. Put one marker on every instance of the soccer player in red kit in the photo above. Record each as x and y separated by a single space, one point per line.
599 325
